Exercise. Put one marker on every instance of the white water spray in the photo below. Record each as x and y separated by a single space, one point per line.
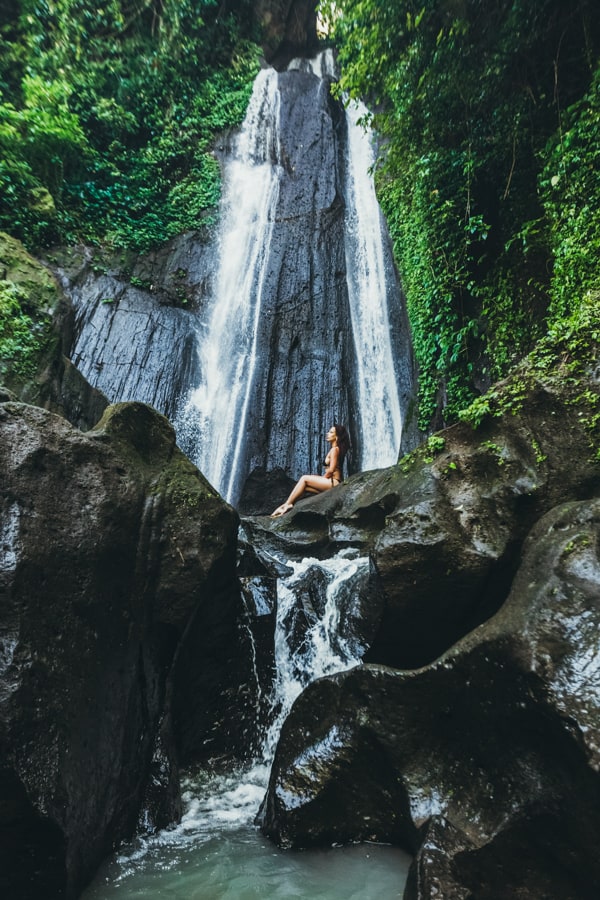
368 289
326 647
218 804
217 411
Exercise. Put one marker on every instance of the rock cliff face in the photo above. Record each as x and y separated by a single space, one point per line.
115 553
135 320
471 733
134 340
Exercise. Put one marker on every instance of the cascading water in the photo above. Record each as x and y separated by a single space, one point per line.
216 851
276 324
372 284
212 426
368 291
288 346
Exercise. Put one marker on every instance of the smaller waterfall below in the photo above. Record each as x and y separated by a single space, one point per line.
311 642
212 426
216 851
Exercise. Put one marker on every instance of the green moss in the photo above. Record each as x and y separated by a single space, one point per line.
562 360
426 453
579 542
146 441
29 298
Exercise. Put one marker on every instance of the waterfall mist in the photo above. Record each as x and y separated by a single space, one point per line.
216 850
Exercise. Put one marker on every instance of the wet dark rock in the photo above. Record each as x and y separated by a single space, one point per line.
135 320
485 763
257 558
445 527
289 29
262 491
115 553
259 594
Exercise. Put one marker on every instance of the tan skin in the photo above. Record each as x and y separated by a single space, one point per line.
315 484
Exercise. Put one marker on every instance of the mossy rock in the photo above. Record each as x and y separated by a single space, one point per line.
35 333
30 301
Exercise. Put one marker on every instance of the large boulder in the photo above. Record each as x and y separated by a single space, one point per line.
115 553
485 763
446 525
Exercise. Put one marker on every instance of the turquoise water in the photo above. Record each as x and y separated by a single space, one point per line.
216 853
242 865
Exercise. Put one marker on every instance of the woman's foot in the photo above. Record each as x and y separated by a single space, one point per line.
281 510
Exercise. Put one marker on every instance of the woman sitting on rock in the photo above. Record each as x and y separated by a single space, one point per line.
338 437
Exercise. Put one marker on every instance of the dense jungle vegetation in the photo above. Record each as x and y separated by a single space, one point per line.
109 113
489 111
489 172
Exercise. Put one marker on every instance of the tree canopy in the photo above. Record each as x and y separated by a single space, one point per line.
108 114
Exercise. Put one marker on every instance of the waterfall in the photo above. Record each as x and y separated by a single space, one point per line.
305 323
321 643
369 286
371 280
212 426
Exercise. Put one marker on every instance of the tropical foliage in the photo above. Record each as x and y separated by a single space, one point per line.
489 116
109 113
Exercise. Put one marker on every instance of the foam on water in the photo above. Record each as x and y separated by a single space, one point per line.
216 851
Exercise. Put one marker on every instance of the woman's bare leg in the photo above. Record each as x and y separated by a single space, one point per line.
314 483
317 483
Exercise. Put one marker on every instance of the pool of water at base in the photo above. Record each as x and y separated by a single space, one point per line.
216 853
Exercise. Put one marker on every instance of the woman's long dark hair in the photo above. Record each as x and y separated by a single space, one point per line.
343 442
